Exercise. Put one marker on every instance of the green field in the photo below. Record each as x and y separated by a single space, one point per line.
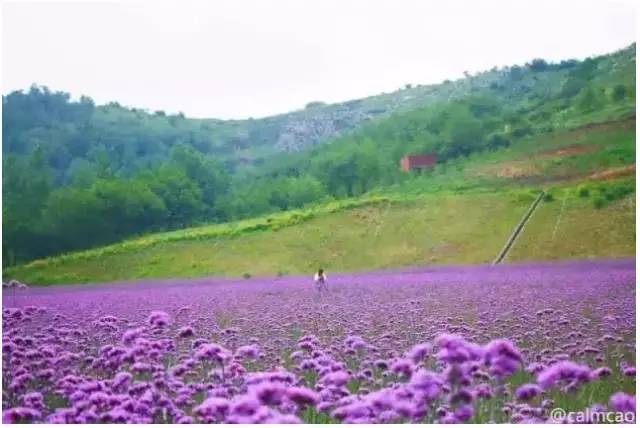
461 213
571 227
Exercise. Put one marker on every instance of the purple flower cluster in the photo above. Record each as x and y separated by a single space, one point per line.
448 345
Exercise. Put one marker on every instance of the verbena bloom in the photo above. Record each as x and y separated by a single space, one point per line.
622 402
419 352
216 407
269 393
629 371
337 378
158 319
402 367
131 335
502 357
455 349
302 396
212 352
602 372
464 413
564 372
251 352
429 384
528 391
355 342
20 415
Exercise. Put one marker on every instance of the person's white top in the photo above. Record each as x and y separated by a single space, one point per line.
317 277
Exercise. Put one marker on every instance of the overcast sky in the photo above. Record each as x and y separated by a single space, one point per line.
243 58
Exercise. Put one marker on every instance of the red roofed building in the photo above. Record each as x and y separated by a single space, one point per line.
413 162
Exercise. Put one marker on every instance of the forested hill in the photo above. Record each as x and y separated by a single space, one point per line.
76 175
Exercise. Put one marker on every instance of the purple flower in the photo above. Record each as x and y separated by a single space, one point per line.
121 379
245 406
602 372
528 392
402 367
535 368
358 411
463 413
131 335
33 400
621 402
428 384
269 393
629 371
214 407
158 319
337 378
302 396
564 371
503 358
251 352
355 343
419 352
20 415
212 352
454 349
483 391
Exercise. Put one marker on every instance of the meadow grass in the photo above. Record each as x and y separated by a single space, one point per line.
571 227
438 229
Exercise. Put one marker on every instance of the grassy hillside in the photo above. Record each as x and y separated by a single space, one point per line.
571 227
461 212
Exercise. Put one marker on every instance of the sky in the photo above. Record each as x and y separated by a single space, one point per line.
254 58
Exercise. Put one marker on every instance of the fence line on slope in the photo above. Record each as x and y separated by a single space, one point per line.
518 229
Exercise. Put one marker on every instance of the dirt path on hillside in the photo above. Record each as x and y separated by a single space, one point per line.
612 173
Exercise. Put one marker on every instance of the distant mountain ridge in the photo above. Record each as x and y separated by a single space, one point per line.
257 140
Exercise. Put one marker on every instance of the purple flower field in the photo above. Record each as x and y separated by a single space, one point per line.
455 344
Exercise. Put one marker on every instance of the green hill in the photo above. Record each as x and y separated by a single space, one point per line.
461 212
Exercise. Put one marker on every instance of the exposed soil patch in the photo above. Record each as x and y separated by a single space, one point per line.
610 174
565 151
511 171
514 170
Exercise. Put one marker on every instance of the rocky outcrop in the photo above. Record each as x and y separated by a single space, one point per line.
300 133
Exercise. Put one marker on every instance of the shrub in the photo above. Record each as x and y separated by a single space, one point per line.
496 141
246 275
548 197
522 131
616 191
583 192
599 202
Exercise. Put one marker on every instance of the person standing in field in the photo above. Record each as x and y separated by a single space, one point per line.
320 279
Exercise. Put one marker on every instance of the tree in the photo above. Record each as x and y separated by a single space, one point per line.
208 174
181 196
538 65
619 93
463 133
588 99
573 86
